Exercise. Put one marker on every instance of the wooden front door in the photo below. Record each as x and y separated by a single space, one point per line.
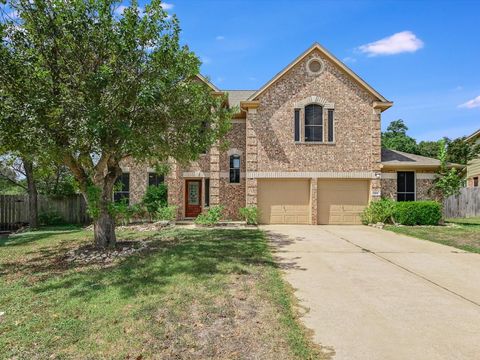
193 198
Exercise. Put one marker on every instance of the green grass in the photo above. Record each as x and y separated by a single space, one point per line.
197 293
463 234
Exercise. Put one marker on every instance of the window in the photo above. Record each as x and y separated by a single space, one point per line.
154 179
475 181
122 188
330 125
235 169
405 186
207 192
313 123
297 125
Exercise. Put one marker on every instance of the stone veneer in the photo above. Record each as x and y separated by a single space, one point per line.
423 183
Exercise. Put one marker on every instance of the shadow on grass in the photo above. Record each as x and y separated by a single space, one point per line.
197 254
37 235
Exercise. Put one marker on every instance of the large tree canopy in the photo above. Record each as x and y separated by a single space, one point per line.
89 87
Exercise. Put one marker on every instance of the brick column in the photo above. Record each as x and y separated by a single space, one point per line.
375 184
214 176
251 158
174 184
313 200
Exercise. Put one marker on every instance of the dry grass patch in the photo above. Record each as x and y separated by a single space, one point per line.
193 294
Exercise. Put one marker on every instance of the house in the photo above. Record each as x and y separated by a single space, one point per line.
473 167
305 148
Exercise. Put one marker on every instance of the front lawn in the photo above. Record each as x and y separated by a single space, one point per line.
195 293
460 233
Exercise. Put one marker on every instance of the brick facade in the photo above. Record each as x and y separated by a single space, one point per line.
263 136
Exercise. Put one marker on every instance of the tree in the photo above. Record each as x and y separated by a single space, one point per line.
448 182
396 138
460 151
429 149
89 88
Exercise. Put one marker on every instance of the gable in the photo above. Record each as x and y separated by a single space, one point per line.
380 101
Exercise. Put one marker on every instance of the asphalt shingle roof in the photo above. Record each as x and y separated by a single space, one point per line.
235 96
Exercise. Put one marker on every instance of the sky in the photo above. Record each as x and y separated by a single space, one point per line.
422 55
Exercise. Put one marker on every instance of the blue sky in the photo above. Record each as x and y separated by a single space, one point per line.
433 70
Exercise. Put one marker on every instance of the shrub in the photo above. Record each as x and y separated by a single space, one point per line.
379 211
123 213
211 217
250 214
154 198
166 213
418 213
50 218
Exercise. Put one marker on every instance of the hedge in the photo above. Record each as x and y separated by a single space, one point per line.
403 212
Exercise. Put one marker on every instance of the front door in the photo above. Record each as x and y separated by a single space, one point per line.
193 198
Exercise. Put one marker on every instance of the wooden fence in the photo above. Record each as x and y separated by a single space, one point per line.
466 204
14 209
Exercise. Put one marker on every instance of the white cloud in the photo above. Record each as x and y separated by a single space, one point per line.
167 6
470 104
220 37
401 42
349 59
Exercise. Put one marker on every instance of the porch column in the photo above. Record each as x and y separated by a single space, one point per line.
214 176
251 158
375 184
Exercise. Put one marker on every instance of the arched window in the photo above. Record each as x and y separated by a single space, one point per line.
234 169
313 123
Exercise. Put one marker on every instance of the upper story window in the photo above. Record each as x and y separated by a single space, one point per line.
313 123
122 188
235 169
475 181
405 186
154 179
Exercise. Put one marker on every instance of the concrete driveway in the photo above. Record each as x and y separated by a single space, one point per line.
374 294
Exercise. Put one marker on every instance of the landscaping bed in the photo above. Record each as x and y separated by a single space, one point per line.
463 234
174 293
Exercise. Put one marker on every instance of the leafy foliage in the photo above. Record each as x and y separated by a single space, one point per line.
396 138
211 217
155 197
123 212
51 218
448 182
460 151
379 211
250 214
88 88
418 212
168 213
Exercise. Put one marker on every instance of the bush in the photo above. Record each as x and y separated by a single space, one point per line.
403 212
379 211
155 198
250 214
211 217
123 213
168 213
418 213
50 218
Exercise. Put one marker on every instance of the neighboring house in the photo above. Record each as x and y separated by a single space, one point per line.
305 148
473 167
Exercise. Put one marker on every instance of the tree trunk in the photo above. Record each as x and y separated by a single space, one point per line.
104 230
32 194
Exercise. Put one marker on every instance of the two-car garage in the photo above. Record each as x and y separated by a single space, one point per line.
289 201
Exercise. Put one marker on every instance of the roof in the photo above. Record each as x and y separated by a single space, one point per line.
336 61
235 96
206 81
397 158
475 135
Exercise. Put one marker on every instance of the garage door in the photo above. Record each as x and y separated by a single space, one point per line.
285 201
341 201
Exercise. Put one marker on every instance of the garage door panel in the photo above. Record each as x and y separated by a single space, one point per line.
341 201
284 201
